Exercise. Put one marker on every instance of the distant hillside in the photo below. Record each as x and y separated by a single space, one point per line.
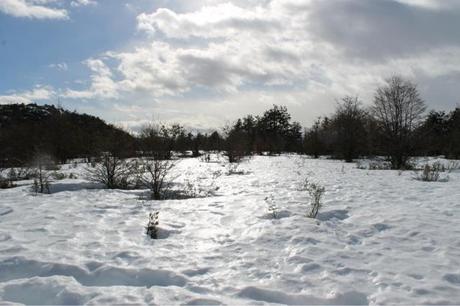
25 129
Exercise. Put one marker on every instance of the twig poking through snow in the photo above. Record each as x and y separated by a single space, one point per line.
316 192
272 208
152 226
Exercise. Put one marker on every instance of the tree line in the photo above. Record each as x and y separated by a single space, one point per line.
395 125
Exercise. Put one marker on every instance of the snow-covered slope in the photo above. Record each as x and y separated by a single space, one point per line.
382 237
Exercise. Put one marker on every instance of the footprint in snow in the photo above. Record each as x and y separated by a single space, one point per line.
5 211
454 279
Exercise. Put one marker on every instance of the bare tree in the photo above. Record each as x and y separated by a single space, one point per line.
112 171
349 124
398 109
155 172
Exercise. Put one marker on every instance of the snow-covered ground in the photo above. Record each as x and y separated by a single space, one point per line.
381 238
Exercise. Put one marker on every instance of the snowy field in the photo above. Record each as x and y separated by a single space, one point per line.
381 238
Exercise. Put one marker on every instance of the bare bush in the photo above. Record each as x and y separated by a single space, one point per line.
374 165
431 173
316 192
154 175
452 166
233 170
272 208
234 156
194 190
206 158
112 171
41 163
152 225
5 180
58 176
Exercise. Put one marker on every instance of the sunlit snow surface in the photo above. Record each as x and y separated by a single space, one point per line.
381 238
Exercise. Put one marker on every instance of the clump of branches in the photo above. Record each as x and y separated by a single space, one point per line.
316 192
5 180
430 173
452 166
272 208
374 165
194 190
152 225
9 177
233 169
40 164
154 173
206 158
112 171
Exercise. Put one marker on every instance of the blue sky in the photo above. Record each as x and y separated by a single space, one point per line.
31 48
203 63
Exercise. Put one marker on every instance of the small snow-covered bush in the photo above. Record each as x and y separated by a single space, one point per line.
206 158
216 174
272 208
452 166
232 169
431 173
316 192
195 190
58 175
5 182
152 225
374 165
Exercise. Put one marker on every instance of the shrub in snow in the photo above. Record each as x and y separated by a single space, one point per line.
206 158
431 173
5 182
216 174
154 175
234 156
316 192
41 162
152 225
374 165
191 190
6 179
112 171
452 166
272 208
58 176
233 169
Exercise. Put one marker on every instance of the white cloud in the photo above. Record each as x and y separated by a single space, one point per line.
222 20
27 97
102 84
78 3
433 4
32 9
59 66
244 56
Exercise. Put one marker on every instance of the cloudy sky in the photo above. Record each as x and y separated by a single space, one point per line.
203 63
